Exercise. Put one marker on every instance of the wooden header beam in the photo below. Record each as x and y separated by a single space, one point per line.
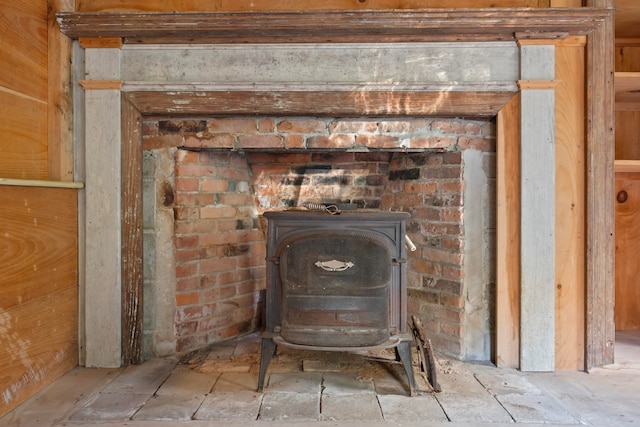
331 26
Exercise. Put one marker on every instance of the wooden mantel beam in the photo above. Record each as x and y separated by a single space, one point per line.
331 26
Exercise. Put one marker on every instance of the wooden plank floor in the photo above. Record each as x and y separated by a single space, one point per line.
217 388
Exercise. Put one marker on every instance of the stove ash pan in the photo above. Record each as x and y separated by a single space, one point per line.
336 283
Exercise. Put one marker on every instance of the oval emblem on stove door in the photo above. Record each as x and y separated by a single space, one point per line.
334 265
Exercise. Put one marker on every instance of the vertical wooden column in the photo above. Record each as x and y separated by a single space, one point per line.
537 192
103 210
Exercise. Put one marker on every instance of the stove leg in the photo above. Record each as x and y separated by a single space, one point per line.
403 352
268 350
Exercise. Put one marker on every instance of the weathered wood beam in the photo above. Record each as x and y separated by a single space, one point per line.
329 26
334 104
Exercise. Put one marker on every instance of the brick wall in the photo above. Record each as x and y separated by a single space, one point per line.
228 171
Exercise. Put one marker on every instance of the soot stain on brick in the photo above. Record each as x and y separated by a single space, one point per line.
167 194
404 174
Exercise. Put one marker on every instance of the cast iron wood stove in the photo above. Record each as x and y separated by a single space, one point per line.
336 283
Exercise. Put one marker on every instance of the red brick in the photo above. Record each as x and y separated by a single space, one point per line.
378 141
420 187
209 141
451 272
431 142
187 184
186 255
451 186
488 129
194 199
353 126
456 127
208 266
234 174
440 255
186 329
453 243
232 125
235 199
186 213
183 242
302 126
333 141
194 227
161 141
186 270
260 141
214 185
425 267
149 128
292 142
480 144
190 298
218 293
195 170
186 156
266 125
452 215
452 330
218 212
188 283
452 301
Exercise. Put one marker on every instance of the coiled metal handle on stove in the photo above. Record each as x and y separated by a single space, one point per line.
332 209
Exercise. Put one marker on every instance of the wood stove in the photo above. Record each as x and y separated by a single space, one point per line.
336 283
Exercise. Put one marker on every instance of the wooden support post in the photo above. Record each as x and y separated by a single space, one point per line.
103 210
537 220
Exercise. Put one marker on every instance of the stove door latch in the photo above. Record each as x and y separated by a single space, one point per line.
334 265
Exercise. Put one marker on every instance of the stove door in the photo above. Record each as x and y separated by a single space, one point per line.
335 288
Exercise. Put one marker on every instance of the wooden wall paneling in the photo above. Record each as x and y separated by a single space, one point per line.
23 89
23 51
626 20
570 204
23 142
565 3
627 293
507 346
39 292
600 187
60 98
132 262
282 5
627 135
627 58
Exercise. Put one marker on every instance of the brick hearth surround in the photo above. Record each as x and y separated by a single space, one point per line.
228 171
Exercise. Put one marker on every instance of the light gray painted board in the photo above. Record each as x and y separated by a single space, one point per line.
538 62
477 339
537 263
102 229
102 64
371 64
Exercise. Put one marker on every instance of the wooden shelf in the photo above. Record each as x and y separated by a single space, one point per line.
627 165
37 183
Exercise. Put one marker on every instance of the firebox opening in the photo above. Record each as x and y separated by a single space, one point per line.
205 253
